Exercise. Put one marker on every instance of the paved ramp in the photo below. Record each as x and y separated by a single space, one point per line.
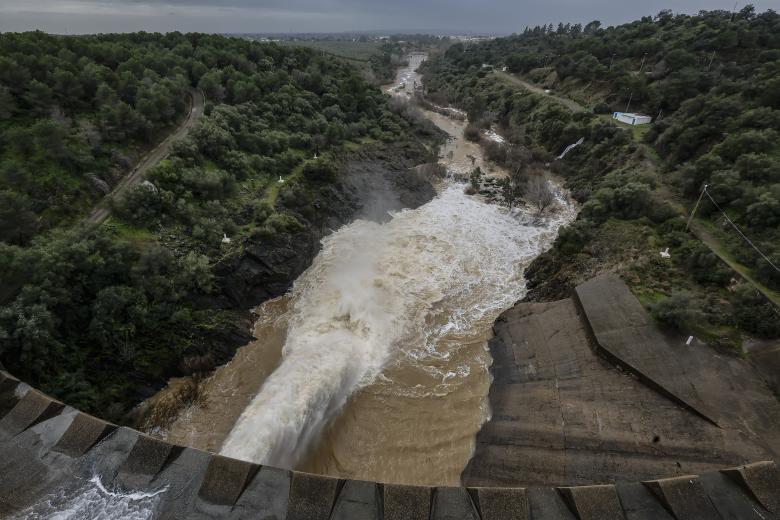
564 412
626 334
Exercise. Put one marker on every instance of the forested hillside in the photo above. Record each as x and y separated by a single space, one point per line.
74 112
100 318
712 83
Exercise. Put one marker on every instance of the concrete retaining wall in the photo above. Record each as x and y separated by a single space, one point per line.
49 450
51 454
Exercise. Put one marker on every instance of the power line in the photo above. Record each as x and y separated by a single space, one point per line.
738 230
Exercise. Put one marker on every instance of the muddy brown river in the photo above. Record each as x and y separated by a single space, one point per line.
375 365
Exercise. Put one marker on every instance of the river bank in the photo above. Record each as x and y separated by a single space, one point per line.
268 266
376 358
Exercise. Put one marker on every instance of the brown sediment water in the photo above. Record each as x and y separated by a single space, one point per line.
375 365
225 394
460 155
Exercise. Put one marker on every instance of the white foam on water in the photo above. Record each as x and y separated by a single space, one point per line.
492 135
93 501
379 294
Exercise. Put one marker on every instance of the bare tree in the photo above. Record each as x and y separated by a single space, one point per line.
512 186
539 192
487 119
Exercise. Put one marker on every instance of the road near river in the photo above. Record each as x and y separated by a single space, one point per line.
375 365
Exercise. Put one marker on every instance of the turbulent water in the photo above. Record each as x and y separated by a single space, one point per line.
379 294
95 502
375 366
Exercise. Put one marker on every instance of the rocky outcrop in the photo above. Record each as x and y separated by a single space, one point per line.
374 181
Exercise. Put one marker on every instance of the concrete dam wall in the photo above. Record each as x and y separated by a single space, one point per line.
54 458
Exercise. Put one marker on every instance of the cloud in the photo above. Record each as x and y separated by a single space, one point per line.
498 16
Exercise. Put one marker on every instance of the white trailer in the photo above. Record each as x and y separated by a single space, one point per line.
630 118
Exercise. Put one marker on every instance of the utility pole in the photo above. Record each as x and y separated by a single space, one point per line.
643 63
630 97
695 207
611 60
659 114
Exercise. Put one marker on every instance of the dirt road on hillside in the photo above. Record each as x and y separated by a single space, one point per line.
102 209
568 103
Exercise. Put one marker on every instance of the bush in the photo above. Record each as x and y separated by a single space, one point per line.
142 205
705 267
495 152
471 132
754 313
677 311
659 211
602 108
320 170
261 210
475 179
284 223
573 237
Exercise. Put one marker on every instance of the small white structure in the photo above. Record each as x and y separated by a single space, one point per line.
281 181
630 118
665 253
225 239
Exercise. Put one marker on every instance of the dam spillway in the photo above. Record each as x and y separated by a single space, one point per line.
54 457
580 370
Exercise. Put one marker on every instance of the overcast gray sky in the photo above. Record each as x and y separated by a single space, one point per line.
499 16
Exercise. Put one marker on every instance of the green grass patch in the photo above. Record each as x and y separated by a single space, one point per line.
129 232
358 51
721 335
637 131
648 297
272 191
717 246
209 165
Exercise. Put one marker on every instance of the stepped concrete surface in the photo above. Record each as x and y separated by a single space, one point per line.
625 334
52 456
591 392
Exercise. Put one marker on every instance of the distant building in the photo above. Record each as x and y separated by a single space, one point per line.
631 119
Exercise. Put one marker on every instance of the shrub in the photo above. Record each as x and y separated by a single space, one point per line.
677 311
705 267
284 223
140 206
495 152
475 179
659 211
320 170
573 237
471 132
754 313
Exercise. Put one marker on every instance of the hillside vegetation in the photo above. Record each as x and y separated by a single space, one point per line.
377 58
714 78
100 318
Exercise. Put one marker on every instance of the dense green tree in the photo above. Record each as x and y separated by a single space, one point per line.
95 317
